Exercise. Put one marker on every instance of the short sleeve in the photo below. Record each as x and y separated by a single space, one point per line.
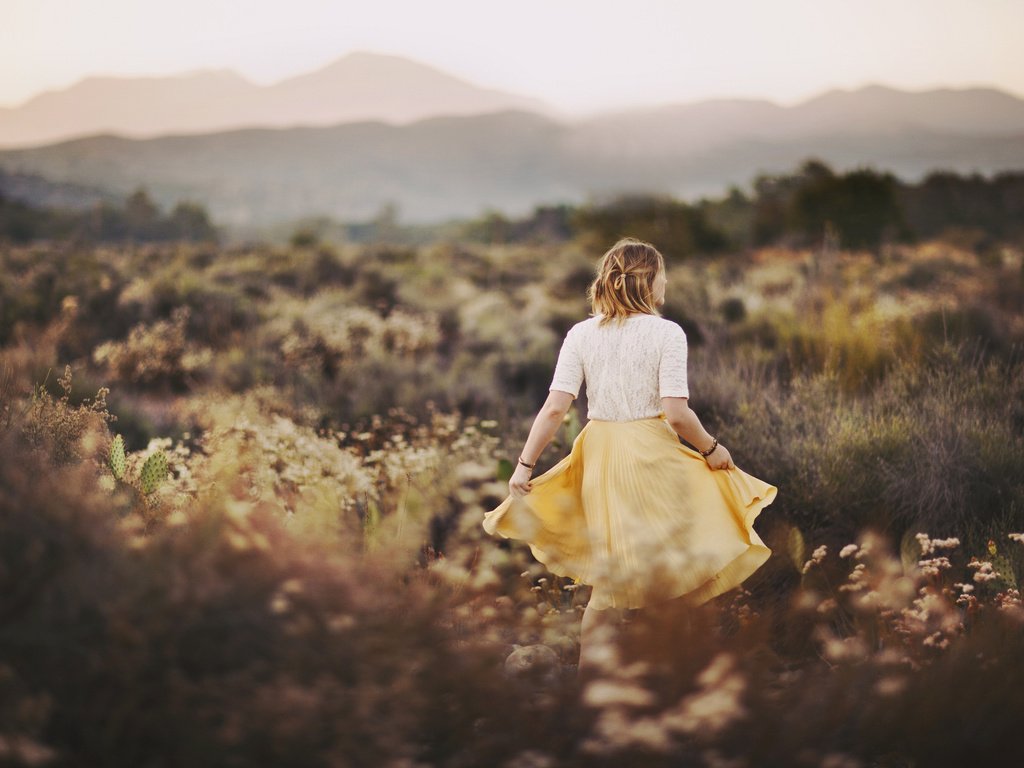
672 371
569 368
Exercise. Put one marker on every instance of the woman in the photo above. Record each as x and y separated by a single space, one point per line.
632 511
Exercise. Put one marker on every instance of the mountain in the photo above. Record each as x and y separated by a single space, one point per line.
456 166
358 86
873 110
876 108
371 86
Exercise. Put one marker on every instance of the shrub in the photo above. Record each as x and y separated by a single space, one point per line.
67 433
309 592
156 355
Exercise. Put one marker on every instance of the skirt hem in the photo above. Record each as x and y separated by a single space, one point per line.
560 518
726 578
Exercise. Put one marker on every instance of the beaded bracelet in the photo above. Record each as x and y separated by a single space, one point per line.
710 450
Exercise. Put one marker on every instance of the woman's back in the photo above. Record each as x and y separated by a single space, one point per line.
628 365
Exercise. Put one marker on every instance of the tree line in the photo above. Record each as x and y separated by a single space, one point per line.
137 219
859 209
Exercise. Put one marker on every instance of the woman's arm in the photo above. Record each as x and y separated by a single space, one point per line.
547 422
686 424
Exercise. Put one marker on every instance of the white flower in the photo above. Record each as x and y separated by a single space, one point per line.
984 568
604 693
933 566
716 705
929 545
816 557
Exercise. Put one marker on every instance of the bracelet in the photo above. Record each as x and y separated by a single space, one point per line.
528 466
710 450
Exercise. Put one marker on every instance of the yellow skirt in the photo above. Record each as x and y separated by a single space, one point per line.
640 517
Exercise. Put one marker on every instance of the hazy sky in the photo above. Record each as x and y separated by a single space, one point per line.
580 55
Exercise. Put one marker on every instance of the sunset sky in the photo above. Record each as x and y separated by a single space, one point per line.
579 55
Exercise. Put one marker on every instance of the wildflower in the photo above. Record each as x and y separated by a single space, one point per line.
969 601
890 686
827 605
279 604
806 600
936 640
716 705
839 760
531 758
867 545
856 579
840 649
934 566
614 730
340 622
889 656
816 557
929 545
603 652
603 693
868 601
984 568
1008 599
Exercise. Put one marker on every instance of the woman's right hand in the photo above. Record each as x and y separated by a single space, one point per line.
519 484
720 458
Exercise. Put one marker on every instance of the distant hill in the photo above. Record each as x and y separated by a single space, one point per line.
43 193
873 110
454 166
358 86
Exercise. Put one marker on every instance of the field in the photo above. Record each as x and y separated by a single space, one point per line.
308 583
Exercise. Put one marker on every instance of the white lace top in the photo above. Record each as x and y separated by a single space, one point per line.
628 366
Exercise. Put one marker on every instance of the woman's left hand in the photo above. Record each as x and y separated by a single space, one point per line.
519 484
720 458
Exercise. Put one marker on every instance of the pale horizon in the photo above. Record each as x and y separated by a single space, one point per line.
573 55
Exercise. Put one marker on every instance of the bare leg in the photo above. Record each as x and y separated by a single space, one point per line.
595 630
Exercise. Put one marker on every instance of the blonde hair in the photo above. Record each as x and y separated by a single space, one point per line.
625 280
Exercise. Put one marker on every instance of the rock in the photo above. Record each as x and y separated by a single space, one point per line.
533 660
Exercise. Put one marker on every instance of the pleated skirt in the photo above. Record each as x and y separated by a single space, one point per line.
640 517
